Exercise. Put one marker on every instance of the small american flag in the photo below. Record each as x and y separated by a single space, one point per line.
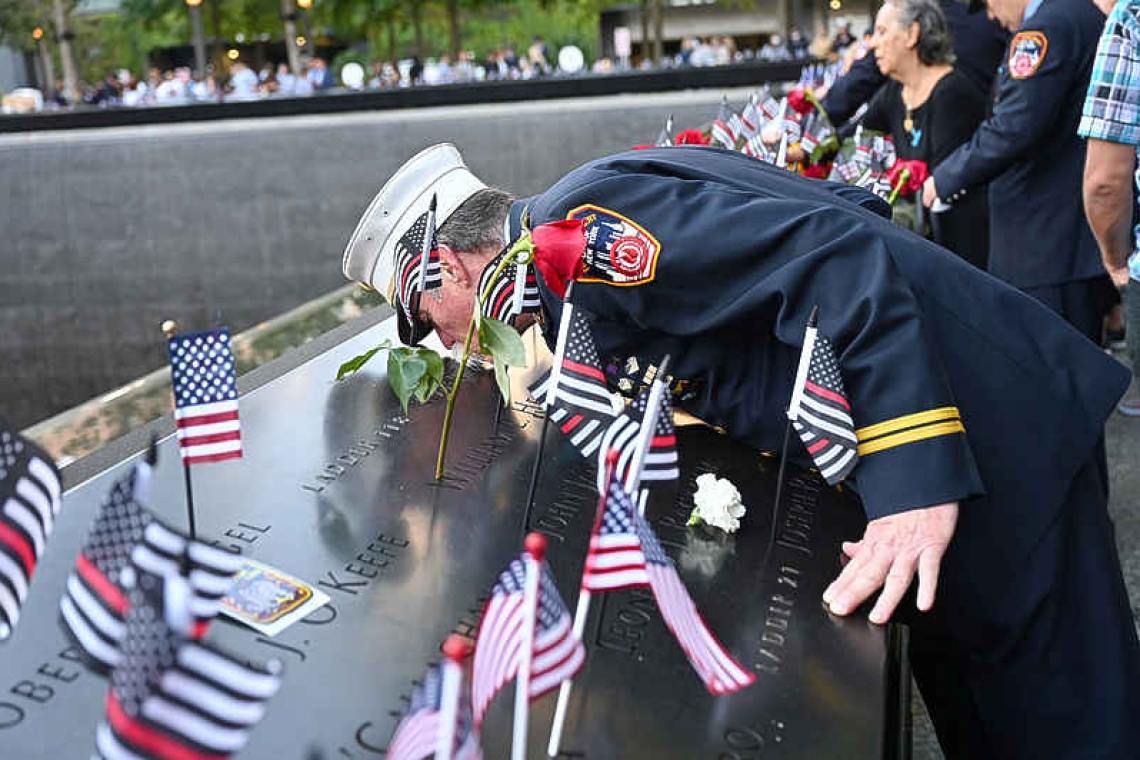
126 538
820 411
418 733
754 146
172 698
205 396
769 106
661 463
29 504
724 128
751 118
499 301
557 653
580 405
625 553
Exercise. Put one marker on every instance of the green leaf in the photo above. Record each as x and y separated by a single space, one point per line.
433 378
502 342
405 370
355 363
503 381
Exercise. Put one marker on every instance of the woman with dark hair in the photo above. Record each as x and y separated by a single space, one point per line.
929 108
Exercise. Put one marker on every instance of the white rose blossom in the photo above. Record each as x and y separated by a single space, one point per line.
717 503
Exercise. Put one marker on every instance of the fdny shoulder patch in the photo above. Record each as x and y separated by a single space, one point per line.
619 251
1026 52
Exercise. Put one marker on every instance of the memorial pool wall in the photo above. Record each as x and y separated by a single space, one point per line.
106 233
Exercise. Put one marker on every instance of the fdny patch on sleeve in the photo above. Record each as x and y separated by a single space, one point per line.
619 251
1026 52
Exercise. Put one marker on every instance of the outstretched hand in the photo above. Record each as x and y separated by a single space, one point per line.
892 549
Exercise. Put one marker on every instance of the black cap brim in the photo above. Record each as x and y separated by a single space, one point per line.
411 331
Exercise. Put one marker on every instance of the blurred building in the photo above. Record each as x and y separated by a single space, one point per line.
749 25
13 70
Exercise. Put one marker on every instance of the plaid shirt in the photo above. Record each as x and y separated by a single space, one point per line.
1112 106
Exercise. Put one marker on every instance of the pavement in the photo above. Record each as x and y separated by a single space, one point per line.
1122 436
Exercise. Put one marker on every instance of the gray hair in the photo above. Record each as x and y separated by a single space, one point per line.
935 44
478 222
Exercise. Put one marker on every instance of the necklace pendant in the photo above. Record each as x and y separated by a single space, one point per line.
908 124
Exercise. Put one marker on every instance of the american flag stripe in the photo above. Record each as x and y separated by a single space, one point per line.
722 134
415 737
557 661
494 664
721 673
615 561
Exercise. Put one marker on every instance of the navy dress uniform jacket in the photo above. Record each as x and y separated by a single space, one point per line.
962 388
1030 154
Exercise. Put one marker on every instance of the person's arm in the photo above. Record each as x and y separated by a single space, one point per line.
753 265
1108 120
853 89
1109 168
1030 99
878 115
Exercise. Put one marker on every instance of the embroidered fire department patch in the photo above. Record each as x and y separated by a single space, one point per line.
1026 52
619 251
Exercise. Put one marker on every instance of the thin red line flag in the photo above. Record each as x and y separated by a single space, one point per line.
126 538
172 698
29 504
820 411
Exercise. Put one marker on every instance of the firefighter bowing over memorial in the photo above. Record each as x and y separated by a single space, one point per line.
978 411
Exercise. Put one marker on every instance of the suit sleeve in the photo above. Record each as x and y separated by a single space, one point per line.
1027 109
853 89
752 266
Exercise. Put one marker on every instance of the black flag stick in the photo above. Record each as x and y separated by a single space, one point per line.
169 328
561 343
793 413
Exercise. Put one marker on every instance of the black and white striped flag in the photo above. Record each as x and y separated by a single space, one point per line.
173 698
819 409
29 503
574 390
623 434
499 294
126 538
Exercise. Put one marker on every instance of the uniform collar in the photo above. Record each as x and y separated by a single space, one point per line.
1033 7
512 226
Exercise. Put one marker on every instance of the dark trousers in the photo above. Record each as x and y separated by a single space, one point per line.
1131 296
1068 686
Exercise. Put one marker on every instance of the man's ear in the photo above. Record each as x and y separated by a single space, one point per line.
453 265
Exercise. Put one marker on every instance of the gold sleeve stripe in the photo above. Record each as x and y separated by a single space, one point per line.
910 436
909 421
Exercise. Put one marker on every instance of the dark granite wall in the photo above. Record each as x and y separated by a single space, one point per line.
105 233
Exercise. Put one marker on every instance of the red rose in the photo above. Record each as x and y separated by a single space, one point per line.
817 171
691 137
799 102
919 173
558 249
